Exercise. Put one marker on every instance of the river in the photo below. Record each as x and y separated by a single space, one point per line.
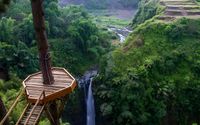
122 33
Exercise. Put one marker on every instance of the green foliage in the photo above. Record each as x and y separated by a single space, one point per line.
147 9
44 122
23 27
7 29
17 58
154 76
52 14
8 92
70 28
76 43
81 41
18 9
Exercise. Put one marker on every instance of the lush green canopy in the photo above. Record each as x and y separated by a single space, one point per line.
75 41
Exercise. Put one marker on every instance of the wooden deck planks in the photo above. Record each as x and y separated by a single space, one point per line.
39 76
63 80
53 85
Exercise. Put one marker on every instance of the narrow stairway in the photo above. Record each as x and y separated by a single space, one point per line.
31 115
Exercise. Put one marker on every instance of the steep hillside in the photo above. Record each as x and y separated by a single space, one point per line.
146 10
179 8
153 79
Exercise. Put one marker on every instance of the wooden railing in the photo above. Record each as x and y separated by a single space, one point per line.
38 100
24 111
12 107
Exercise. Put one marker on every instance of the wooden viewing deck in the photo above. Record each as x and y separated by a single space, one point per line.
40 95
64 84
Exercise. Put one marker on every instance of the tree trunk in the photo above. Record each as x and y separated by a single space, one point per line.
3 112
39 25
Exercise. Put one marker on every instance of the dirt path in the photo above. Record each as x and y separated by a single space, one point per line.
178 9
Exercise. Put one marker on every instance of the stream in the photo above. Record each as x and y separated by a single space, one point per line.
122 33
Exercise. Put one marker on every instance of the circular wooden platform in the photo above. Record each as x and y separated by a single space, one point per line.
63 85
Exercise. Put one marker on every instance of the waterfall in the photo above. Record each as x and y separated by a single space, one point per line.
90 106
85 84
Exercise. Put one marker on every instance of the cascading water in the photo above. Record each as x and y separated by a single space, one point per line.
90 106
86 84
121 32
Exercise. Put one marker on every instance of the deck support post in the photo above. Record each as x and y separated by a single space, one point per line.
54 110
53 113
39 25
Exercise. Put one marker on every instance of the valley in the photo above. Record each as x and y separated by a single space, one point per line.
135 62
113 16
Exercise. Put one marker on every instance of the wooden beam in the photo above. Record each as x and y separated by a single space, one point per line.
49 116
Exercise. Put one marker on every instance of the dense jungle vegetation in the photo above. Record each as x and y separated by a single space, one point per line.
153 78
76 43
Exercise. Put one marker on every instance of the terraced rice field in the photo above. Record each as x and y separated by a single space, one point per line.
179 8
